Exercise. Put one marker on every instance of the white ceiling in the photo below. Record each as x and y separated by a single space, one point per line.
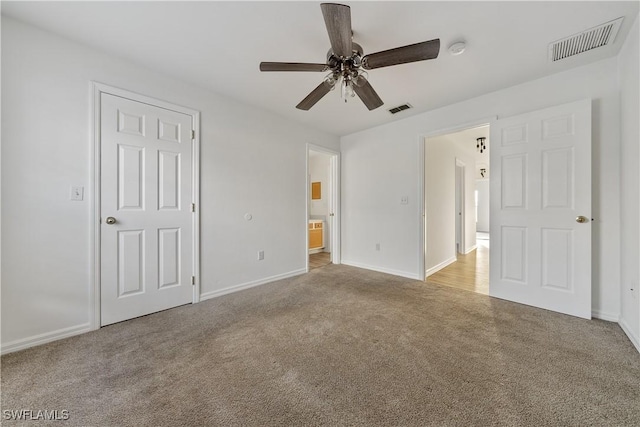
218 45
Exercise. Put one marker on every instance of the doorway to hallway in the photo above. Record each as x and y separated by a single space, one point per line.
457 209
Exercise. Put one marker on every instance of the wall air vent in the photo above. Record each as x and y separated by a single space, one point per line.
400 108
595 37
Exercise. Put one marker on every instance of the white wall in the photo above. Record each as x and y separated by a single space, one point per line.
319 172
482 186
381 163
440 187
630 184
319 164
251 161
439 203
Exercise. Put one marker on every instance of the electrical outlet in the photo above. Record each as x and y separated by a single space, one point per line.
377 246
404 200
260 255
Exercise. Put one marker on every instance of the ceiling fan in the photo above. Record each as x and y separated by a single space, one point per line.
345 62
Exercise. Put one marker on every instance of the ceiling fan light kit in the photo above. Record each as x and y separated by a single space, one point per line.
480 144
346 62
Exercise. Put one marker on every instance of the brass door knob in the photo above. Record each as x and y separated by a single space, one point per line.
582 219
110 220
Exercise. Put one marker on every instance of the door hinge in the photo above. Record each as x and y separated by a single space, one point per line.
193 134
193 280
193 207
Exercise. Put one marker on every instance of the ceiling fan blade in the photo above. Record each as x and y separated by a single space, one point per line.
369 96
292 66
315 96
402 55
337 18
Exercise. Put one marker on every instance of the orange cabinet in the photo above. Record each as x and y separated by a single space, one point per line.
315 235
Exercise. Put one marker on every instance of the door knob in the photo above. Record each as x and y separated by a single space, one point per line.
110 220
581 219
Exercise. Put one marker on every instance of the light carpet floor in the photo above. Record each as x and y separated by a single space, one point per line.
337 346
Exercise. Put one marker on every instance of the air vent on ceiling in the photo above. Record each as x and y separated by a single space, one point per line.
400 108
599 36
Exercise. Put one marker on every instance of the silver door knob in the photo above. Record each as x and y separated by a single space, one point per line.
582 219
110 220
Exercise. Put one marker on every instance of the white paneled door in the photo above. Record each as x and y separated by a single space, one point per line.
541 209
145 207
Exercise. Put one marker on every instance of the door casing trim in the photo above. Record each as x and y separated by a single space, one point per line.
97 89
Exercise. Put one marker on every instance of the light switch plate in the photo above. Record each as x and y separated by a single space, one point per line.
77 193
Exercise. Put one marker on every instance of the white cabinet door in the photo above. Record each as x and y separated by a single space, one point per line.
146 186
540 185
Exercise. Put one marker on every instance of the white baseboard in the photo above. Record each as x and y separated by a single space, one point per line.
471 249
381 269
247 285
627 330
609 317
316 251
47 337
440 266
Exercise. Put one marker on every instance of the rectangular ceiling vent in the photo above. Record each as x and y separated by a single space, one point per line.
595 37
399 108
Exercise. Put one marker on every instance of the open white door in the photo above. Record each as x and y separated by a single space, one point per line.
541 209
334 221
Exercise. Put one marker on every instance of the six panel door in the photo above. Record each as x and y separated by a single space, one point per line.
146 218
540 185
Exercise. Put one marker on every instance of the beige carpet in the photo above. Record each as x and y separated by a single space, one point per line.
338 346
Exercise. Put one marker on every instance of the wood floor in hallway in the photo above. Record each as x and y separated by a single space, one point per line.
469 272
319 260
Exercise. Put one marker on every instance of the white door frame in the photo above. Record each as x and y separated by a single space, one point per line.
334 194
460 196
422 200
97 90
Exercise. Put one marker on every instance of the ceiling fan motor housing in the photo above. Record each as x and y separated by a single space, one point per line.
334 60
338 64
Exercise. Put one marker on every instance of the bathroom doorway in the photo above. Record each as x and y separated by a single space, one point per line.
322 207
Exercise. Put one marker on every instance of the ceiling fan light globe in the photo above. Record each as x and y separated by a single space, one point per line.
348 89
331 80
